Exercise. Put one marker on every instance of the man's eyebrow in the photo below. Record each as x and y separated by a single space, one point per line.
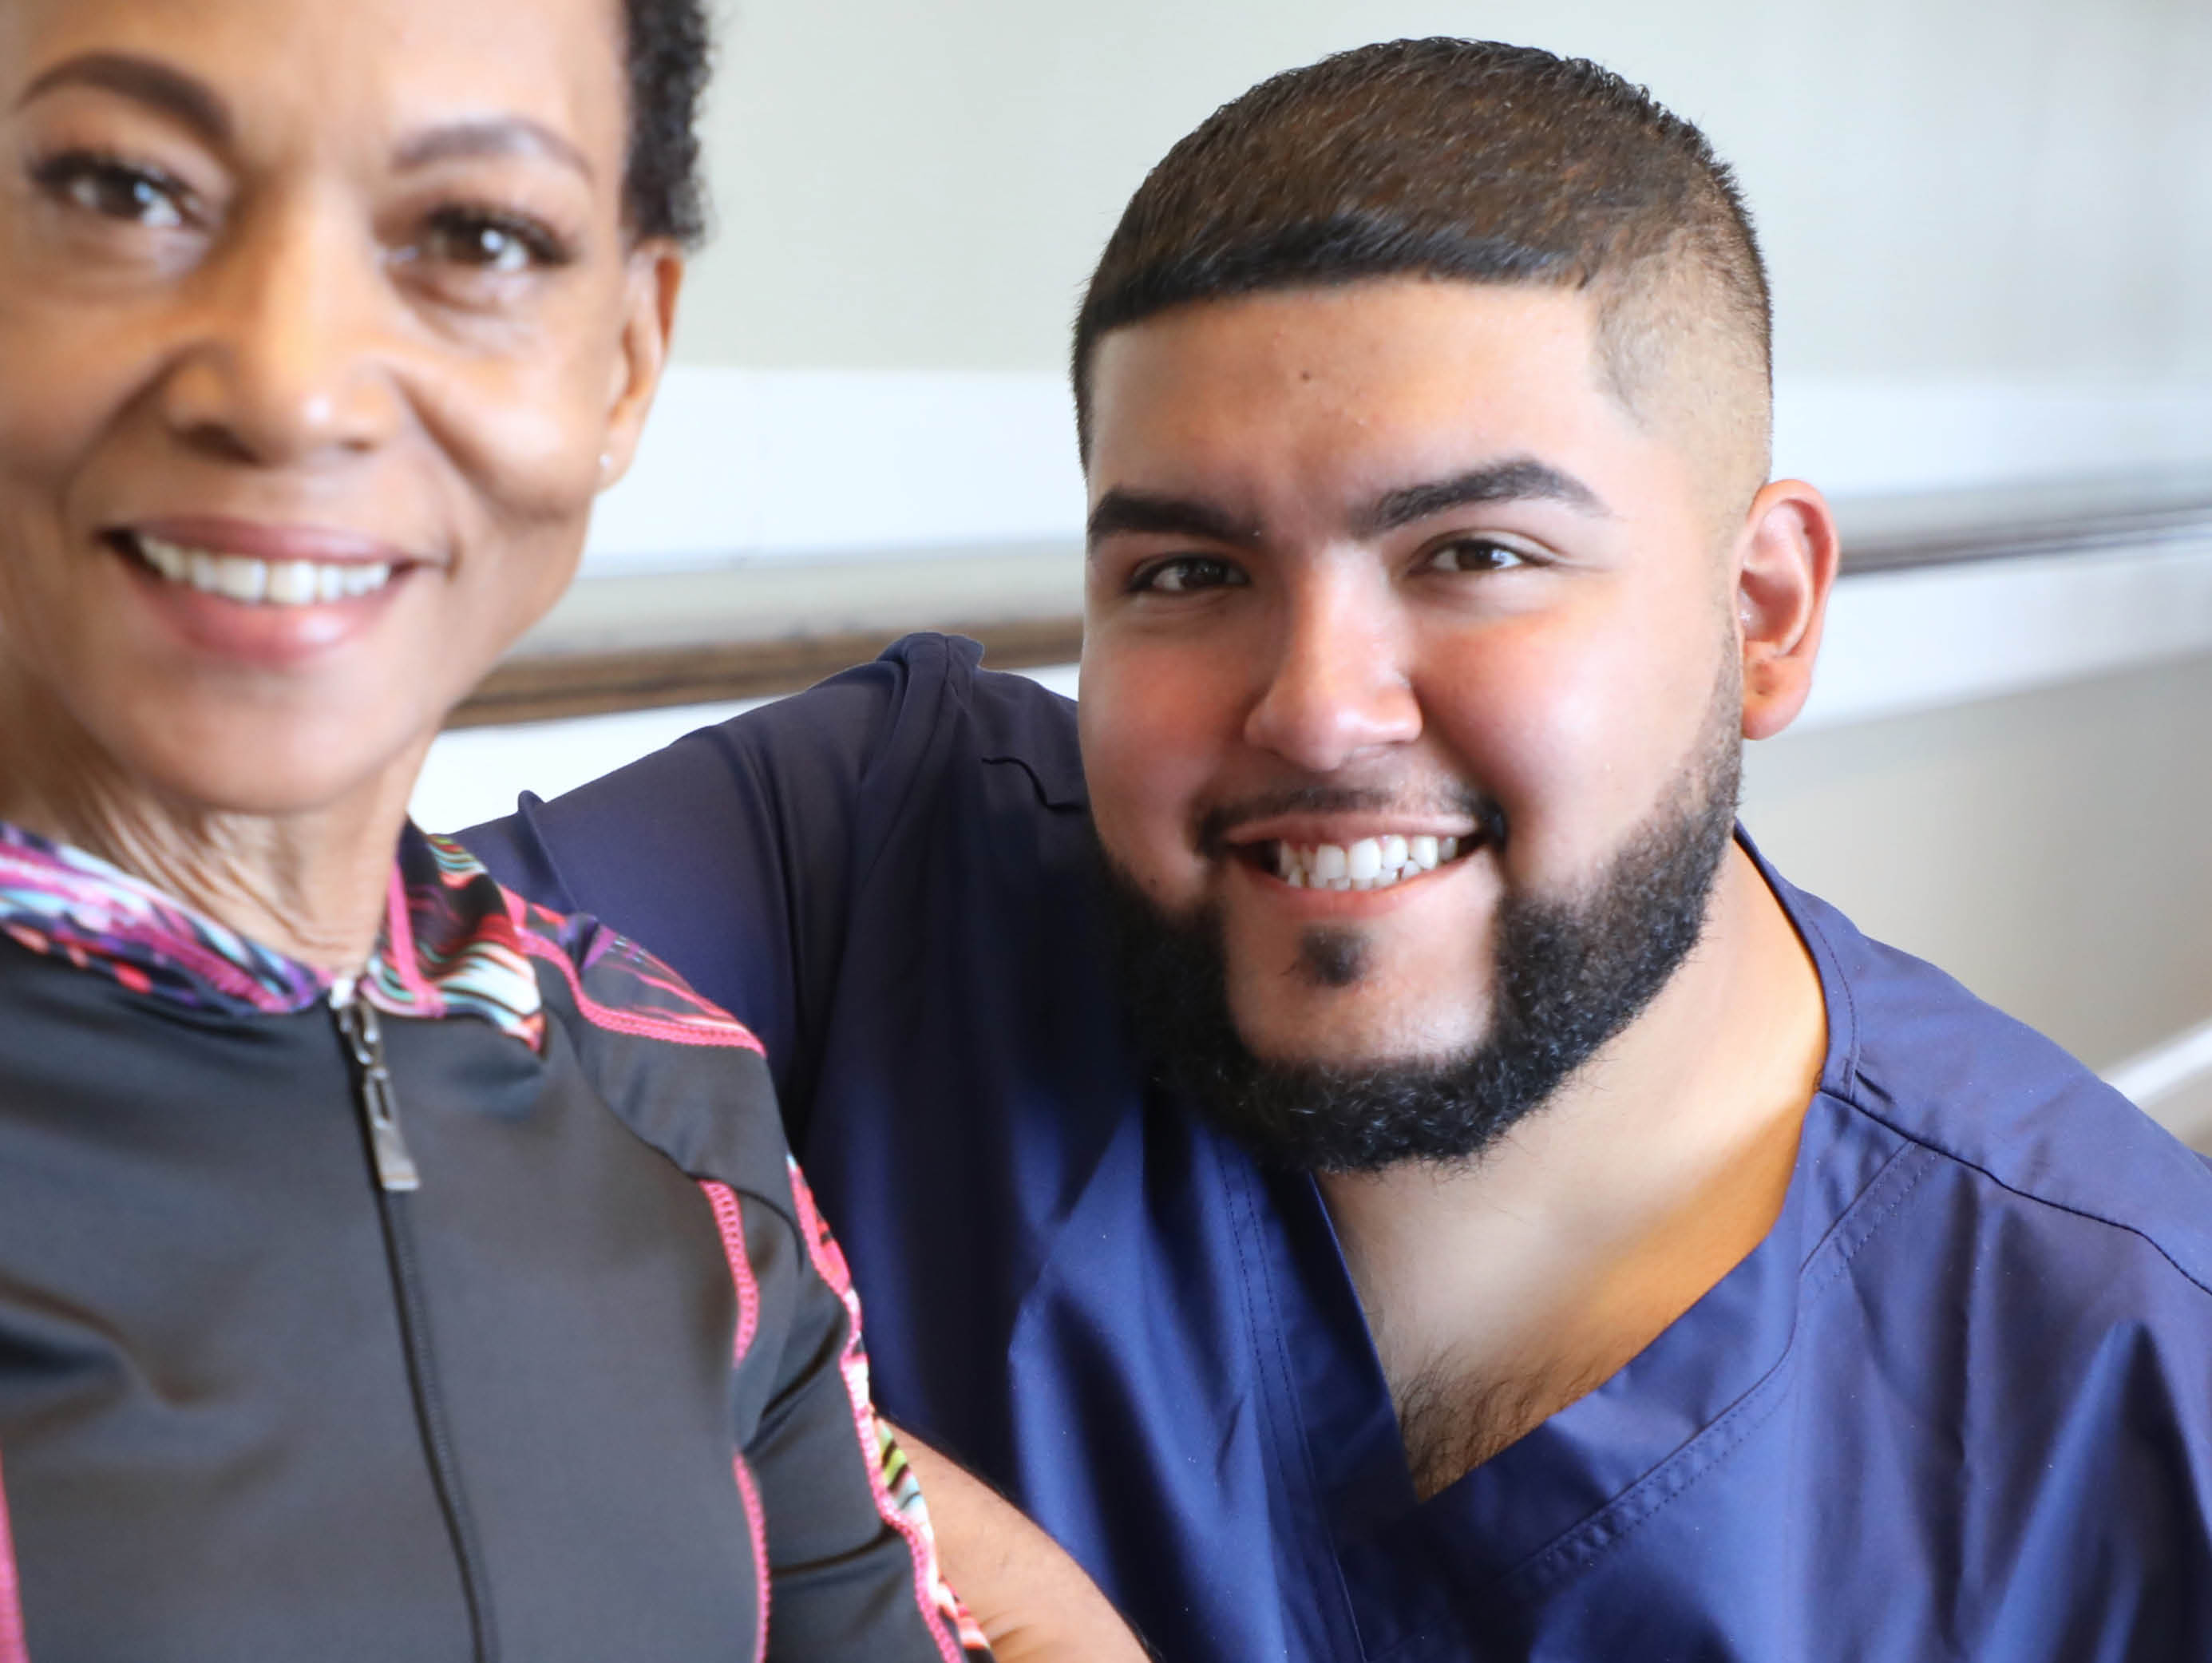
1522 479
144 80
496 135
1122 510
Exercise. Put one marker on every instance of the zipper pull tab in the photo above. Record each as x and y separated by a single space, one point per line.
379 1105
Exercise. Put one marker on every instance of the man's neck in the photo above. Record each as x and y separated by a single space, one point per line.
1499 1294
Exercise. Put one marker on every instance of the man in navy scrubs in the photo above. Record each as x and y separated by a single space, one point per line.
1342 1129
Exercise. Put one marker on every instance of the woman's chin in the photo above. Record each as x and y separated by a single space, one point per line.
204 754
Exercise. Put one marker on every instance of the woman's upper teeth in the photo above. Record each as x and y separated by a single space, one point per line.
263 583
1369 863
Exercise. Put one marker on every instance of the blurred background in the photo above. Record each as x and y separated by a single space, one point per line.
1989 228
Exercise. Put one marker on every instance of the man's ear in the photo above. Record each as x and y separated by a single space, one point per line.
654 279
1786 566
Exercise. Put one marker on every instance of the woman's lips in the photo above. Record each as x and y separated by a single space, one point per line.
281 598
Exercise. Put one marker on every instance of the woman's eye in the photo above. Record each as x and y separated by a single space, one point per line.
1475 554
117 190
1187 573
499 243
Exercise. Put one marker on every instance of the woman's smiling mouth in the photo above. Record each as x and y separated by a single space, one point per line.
254 594
255 581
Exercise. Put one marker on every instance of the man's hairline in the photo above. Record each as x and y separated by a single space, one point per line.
1605 294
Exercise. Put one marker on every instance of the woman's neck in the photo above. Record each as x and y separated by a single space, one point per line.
309 884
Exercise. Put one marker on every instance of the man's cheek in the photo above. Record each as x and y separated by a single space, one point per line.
1562 734
1146 777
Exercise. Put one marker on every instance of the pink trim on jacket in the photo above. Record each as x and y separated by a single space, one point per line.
943 1617
729 1036
729 1220
756 1521
12 1647
730 1224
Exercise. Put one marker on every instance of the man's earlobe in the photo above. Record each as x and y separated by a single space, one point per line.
1786 564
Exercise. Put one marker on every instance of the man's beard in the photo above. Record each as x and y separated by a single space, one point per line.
1569 975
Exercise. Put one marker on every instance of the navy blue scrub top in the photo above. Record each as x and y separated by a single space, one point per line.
1958 1403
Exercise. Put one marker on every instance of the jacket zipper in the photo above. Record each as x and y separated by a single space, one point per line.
379 1106
398 1177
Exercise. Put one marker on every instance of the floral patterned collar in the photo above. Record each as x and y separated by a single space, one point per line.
452 943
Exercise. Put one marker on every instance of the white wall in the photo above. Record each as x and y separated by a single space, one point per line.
1948 188
1988 227
2048 848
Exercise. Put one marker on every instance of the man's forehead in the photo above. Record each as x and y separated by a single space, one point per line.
1353 331
1389 398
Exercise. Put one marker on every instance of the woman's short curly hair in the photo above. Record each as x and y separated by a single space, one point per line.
670 49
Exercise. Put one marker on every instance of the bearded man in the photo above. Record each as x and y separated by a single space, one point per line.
1341 1127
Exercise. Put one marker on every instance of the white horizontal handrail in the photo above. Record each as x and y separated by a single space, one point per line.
2150 1077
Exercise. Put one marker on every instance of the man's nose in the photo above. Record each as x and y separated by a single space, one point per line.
1338 687
285 359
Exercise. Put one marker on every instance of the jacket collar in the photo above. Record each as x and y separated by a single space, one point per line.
450 944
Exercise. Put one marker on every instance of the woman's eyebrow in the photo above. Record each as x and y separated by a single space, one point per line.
497 135
144 80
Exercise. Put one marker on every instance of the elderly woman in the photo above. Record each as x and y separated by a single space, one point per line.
386 1270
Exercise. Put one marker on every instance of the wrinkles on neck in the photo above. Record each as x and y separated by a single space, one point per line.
310 884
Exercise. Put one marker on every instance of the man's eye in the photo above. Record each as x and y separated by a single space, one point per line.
115 190
1475 554
1185 574
481 241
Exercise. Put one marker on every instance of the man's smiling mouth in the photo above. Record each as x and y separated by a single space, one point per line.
1368 863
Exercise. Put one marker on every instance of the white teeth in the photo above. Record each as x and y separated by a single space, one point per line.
258 582
291 582
172 562
241 579
1365 863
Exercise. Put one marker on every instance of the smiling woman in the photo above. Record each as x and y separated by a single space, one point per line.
386 1267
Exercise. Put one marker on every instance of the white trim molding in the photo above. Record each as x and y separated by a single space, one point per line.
746 465
2155 1076
1923 637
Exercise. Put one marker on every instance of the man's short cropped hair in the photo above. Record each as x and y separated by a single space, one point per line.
1464 160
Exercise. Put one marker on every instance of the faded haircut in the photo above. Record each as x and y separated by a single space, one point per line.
1472 161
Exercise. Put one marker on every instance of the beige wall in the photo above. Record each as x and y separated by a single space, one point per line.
1946 187
2053 849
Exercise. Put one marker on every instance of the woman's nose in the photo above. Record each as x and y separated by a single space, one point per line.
1339 688
284 358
